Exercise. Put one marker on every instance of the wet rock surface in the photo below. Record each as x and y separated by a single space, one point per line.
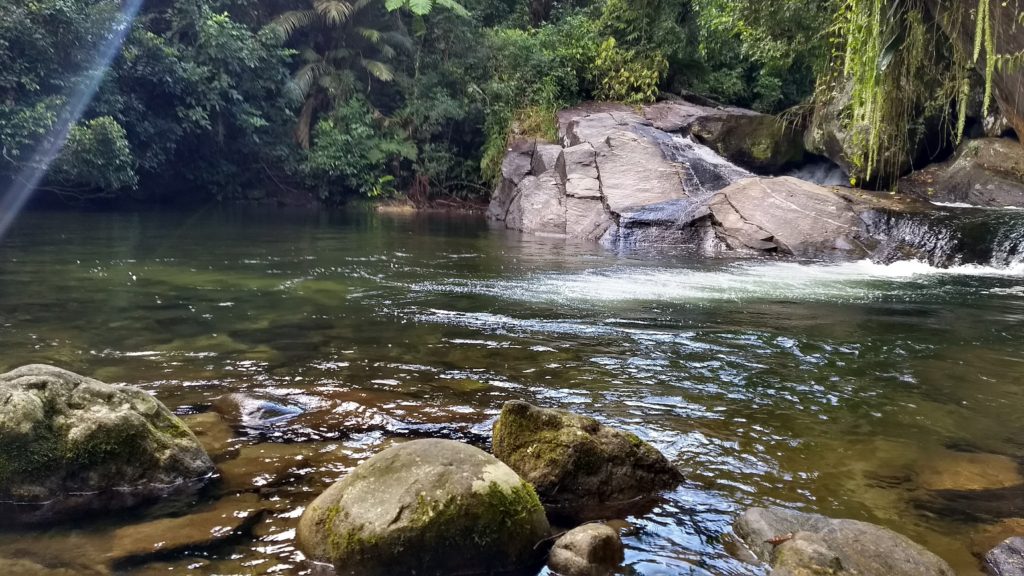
589 550
796 544
581 469
657 177
1006 559
429 507
985 172
72 445
211 526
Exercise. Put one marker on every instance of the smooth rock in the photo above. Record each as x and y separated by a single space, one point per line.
590 550
1007 559
807 544
211 526
426 507
968 471
581 469
252 412
71 445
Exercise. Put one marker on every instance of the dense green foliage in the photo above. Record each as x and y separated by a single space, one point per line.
331 99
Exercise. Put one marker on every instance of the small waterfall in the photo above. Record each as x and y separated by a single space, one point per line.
950 237
823 173
704 170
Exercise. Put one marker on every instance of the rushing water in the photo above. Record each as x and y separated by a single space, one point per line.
847 389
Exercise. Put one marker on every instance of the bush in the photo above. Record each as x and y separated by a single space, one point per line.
96 160
352 153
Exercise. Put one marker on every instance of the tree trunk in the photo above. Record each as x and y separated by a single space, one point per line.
540 11
1008 35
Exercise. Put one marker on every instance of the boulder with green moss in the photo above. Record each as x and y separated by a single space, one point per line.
427 507
71 445
581 469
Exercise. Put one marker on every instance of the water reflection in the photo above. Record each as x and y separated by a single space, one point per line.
833 388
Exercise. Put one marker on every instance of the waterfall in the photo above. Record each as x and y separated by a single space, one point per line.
951 236
704 171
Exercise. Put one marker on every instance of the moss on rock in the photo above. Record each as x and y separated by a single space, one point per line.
433 506
581 469
71 445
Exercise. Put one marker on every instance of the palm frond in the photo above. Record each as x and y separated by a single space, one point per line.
334 12
289 22
378 69
305 78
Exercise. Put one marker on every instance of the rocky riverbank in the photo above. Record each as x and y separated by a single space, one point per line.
433 506
712 181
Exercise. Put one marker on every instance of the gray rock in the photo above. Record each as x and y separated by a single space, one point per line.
581 469
426 507
590 550
72 445
801 544
1007 559
253 412
984 172
539 207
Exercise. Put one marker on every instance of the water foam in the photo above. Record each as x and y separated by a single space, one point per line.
861 281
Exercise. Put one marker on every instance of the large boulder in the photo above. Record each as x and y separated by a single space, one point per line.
985 172
802 544
590 550
784 216
581 469
759 142
426 507
71 445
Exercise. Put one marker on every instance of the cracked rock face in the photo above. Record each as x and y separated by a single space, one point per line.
622 179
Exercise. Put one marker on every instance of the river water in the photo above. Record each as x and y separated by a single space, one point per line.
857 390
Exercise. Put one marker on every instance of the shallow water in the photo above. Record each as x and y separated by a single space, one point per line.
842 389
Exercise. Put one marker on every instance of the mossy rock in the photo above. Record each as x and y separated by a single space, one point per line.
581 469
71 445
427 507
758 142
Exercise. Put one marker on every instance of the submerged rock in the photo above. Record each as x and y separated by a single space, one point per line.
989 536
1007 559
968 471
214 434
797 544
590 550
426 507
581 469
71 445
212 526
253 412
985 172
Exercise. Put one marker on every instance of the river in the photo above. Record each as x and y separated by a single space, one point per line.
854 390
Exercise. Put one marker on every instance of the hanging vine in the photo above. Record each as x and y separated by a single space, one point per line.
897 68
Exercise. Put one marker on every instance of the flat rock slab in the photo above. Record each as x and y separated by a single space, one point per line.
225 519
797 543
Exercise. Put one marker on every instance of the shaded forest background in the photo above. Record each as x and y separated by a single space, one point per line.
335 99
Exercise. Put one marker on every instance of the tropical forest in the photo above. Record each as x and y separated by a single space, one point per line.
512 287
